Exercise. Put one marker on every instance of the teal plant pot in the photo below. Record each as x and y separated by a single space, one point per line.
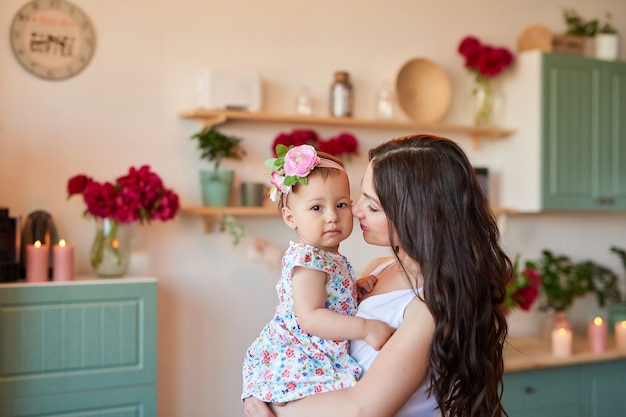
216 187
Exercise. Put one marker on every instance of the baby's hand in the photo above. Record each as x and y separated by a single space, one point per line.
365 285
378 332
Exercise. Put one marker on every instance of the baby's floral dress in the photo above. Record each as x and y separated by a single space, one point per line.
285 363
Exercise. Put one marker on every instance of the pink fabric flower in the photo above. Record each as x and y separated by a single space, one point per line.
278 182
300 160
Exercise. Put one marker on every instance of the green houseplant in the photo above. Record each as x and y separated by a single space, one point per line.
563 280
215 147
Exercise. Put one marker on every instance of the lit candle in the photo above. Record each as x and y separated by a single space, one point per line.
37 257
562 342
620 334
597 334
63 262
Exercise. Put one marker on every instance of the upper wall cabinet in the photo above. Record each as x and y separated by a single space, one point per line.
570 150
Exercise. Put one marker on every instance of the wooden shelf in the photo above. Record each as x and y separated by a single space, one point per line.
213 215
215 117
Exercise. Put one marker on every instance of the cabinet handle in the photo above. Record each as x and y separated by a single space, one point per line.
606 200
529 390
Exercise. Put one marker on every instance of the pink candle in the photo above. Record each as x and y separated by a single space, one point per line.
620 334
63 262
562 342
597 334
37 256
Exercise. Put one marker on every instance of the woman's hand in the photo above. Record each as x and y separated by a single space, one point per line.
253 407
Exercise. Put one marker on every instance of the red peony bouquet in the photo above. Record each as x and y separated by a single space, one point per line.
523 289
483 60
342 145
137 196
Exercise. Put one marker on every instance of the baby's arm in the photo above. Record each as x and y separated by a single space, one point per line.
309 297
365 285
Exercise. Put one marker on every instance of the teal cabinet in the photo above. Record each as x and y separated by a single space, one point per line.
585 390
584 138
570 150
84 348
603 389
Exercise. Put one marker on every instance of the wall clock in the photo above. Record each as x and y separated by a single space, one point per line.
52 39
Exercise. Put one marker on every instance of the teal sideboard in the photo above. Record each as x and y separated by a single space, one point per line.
537 384
82 348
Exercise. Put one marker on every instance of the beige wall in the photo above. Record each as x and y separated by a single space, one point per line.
121 111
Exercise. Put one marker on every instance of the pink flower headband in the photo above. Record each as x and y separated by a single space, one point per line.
292 166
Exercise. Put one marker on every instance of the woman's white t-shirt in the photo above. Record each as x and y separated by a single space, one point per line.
389 307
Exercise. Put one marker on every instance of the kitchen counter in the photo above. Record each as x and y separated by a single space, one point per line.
535 353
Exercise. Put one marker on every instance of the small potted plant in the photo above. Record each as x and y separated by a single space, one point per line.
214 147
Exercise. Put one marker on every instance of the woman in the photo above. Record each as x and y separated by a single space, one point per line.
420 197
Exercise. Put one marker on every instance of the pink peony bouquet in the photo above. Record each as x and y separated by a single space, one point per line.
137 196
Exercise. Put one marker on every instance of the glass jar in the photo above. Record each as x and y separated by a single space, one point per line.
341 95
111 248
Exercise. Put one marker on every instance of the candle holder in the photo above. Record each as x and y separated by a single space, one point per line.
562 335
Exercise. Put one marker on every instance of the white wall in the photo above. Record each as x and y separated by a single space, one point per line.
121 111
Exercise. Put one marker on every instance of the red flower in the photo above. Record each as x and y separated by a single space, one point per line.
484 60
137 196
526 296
523 289
295 138
340 145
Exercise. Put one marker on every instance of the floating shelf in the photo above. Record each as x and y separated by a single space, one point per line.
216 117
213 215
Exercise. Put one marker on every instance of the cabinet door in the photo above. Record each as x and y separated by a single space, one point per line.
603 389
78 349
572 146
551 392
613 165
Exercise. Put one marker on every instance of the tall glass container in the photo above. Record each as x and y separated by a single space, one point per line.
341 95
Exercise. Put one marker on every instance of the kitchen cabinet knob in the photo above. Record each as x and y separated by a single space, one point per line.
529 390
606 200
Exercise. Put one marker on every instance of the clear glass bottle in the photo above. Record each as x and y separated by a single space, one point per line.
341 95
304 103
384 105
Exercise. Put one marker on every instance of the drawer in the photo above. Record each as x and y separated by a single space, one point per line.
541 389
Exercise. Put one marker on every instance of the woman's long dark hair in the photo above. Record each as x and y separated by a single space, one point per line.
433 200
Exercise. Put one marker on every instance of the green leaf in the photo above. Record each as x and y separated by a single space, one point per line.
270 164
281 150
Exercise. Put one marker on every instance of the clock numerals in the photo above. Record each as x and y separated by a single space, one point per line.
47 50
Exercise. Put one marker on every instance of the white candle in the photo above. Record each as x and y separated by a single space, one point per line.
620 334
63 262
597 334
562 342
37 257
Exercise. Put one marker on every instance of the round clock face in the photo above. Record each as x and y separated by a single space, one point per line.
52 39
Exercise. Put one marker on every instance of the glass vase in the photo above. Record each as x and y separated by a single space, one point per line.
111 248
484 95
